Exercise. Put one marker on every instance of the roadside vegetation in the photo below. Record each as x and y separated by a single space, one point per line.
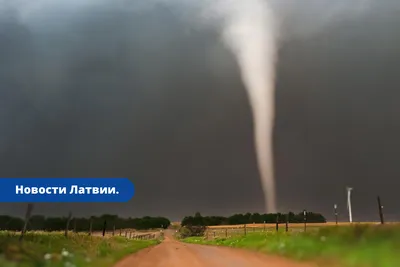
350 246
53 249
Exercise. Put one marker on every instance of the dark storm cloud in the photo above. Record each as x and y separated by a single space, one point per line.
108 92
111 94
338 117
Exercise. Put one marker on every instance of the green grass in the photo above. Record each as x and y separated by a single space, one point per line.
361 245
79 250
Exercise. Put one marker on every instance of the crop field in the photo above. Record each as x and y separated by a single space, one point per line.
50 249
360 244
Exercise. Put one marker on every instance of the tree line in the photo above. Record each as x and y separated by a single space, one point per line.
40 222
249 218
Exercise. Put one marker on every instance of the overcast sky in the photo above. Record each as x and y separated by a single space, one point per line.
106 92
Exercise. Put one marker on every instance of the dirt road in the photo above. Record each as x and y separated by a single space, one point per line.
171 253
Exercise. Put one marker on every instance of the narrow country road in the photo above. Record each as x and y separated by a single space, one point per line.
172 253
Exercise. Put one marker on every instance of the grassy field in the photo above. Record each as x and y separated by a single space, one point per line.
363 245
53 249
292 225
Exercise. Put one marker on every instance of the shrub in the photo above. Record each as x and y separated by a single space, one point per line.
190 230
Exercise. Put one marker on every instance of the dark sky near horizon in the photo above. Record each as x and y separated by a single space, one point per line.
111 93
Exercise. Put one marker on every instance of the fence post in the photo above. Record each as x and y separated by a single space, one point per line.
27 217
67 226
380 210
104 228
305 220
226 233
245 229
287 222
74 225
277 222
264 226
90 225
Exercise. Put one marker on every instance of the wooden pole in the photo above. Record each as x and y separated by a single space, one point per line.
104 228
287 222
277 222
91 226
67 226
74 225
27 217
245 230
305 220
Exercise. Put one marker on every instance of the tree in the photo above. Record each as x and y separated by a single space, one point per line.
247 218
38 222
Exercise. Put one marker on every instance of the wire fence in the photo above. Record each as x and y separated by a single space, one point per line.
70 228
227 231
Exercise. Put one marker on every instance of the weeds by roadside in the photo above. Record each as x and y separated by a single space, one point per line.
52 249
360 245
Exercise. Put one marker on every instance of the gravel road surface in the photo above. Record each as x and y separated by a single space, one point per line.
172 253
